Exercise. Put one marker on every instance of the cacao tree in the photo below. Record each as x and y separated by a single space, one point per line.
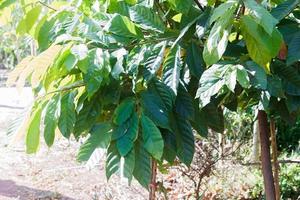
143 78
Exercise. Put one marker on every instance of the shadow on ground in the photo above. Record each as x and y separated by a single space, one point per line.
10 189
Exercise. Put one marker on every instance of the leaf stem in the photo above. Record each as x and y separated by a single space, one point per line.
46 5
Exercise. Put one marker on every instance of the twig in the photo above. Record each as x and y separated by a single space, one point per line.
199 5
279 161
46 5
12 107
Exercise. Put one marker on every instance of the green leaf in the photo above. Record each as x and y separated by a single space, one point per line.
126 141
275 87
33 130
154 57
26 24
293 49
284 9
96 70
153 141
120 7
165 93
129 164
170 148
122 26
51 115
194 60
242 76
99 138
216 117
184 103
184 139
261 46
217 40
210 83
203 23
258 76
87 116
146 18
113 161
67 117
199 121
222 10
261 16
124 111
171 68
181 6
142 169
289 73
155 109
6 3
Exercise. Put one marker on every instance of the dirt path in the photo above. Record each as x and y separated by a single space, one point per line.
52 173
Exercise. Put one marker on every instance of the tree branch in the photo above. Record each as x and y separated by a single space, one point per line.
46 5
199 5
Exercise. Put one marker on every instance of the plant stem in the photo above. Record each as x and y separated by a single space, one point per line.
274 157
153 180
265 155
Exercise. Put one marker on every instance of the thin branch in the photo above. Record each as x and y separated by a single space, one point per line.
199 5
279 161
46 5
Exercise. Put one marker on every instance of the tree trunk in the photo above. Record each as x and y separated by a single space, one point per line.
255 143
153 180
265 155
274 157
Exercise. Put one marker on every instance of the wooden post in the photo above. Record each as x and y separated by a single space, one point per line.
274 157
265 155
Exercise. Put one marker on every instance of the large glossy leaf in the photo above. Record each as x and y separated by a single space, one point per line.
146 18
261 46
152 139
125 143
26 24
96 69
33 129
172 67
261 16
294 49
217 40
128 165
155 109
289 73
283 9
122 26
50 118
184 103
113 161
153 59
181 6
124 111
67 117
258 76
165 93
99 138
210 83
194 60
87 116
184 139
142 169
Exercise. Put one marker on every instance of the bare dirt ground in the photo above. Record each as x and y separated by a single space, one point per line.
51 174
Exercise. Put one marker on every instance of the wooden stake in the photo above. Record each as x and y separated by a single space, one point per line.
274 157
265 155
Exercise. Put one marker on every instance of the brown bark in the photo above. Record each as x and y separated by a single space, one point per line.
265 155
153 180
274 157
